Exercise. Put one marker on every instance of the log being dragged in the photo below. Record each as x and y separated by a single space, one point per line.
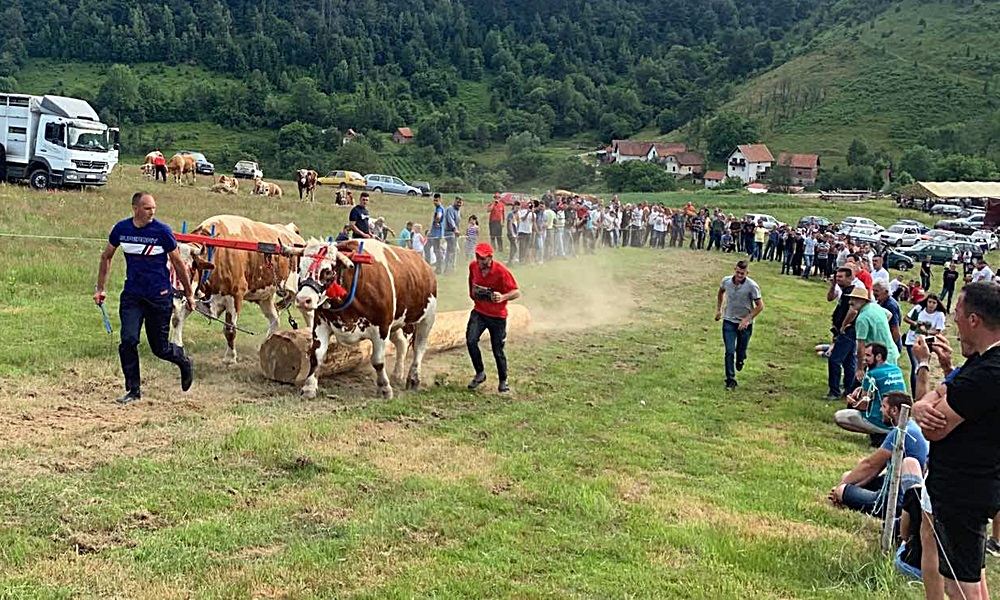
284 355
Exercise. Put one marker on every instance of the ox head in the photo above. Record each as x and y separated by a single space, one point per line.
303 176
319 267
192 257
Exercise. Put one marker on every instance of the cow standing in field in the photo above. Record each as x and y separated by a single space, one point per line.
396 296
238 276
180 166
306 180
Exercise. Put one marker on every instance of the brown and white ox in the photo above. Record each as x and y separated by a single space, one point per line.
396 297
180 166
238 276
148 167
264 188
230 182
306 180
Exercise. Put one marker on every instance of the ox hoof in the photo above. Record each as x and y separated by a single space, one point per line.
309 394
412 383
229 361
386 393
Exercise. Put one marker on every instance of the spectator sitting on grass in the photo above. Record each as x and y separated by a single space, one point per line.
864 412
865 487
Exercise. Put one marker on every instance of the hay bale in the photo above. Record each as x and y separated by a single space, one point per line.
284 355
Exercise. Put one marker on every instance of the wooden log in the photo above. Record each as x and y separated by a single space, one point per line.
284 355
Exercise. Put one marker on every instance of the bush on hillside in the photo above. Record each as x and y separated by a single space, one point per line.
638 176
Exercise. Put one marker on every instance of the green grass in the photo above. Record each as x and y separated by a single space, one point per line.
619 467
48 76
883 81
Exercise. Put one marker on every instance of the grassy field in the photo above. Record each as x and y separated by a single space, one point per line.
619 467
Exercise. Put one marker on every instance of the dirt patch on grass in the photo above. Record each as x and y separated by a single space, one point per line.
398 451
688 509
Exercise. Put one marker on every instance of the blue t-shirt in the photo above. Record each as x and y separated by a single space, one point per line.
359 216
914 444
437 222
145 250
878 382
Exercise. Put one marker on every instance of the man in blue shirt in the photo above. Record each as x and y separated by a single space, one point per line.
864 488
452 229
360 219
880 378
435 234
148 293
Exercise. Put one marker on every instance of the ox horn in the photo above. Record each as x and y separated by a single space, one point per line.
292 250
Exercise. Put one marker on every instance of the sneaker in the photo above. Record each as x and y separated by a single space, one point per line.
503 388
129 397
731 384
477 380
993 546
739 365
831 397
187 373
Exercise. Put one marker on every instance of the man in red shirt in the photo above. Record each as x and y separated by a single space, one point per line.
491 286
160 166
496 208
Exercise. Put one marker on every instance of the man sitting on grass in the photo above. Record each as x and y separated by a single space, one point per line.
864 414
865 487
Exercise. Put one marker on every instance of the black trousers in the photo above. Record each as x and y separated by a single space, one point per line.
161 171
134 311
478 323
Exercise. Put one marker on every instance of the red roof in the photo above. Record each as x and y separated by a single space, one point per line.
715 175
799 161
664 150
627 148
689 159
405 132
756 153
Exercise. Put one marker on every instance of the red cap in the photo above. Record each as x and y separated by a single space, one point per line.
484 250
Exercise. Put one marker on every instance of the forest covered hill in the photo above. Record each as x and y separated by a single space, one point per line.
498 91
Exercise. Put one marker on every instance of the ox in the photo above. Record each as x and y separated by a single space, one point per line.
263 188
236 276
180 166
230 182
306 180
151 157
221 188
396 296
147 170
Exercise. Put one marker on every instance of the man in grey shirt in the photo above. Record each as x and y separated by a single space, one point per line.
452 229
743 303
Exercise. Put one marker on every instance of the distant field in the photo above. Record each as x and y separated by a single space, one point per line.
47 76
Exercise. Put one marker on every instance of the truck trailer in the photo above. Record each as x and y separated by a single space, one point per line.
54 141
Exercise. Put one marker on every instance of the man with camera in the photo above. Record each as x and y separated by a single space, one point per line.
864 412
491 286
960 418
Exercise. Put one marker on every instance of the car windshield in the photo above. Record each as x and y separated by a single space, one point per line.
198 156
898 229
88 139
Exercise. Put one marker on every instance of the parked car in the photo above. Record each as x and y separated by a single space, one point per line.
342 178
822 222
901 235
950 210
769 221
986 239
964 225
897 260
923 228
390 185
424 186
201 164
940 252
862 234
247 169
850 222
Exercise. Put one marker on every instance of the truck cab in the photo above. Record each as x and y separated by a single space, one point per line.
53 141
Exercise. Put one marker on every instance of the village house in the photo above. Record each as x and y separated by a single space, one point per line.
403 135
803 169
714 179
348 137
749 162
627 150
684 164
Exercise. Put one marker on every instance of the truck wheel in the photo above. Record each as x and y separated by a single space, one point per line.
40 179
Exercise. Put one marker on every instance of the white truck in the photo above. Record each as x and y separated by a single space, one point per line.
53 141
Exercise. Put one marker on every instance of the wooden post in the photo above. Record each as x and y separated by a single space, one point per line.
889 523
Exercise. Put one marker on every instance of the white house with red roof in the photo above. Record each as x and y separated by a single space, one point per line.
749 162
714 179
